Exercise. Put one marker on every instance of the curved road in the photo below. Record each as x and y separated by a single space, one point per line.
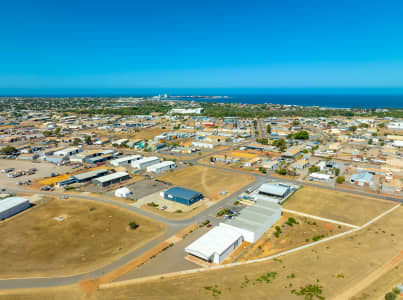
173 226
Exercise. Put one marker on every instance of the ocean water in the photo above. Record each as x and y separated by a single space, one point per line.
333 101
335 98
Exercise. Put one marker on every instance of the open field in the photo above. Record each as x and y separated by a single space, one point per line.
291 236
148 133
209 181
338 265
336 205
85 236
381 286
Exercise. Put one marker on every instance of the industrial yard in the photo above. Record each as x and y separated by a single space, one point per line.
69 236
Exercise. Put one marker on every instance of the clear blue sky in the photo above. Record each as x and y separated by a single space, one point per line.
197 44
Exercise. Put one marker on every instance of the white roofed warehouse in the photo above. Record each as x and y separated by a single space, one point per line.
216 244
161 167
111 179
145 162
276 190
12 206
125 160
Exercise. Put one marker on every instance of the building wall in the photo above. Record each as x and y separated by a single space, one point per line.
182 200
220 258
107 183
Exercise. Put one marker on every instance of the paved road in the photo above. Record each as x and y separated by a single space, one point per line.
174 226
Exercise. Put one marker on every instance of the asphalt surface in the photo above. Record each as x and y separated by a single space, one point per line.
174 226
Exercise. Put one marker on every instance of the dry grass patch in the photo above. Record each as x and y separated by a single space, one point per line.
68 237
292 236
336 205
338 265
209 181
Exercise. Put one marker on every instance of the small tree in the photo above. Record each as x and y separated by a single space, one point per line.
133 225
88 140
8 150
268 129
76 142
340 179
390 296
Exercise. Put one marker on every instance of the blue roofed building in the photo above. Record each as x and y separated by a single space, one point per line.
362 179
182 195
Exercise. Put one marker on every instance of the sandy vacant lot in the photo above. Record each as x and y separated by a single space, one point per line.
340 206
291 236
209 181
338 265
86 235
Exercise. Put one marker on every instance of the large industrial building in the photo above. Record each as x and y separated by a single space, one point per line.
215 245
162 166
249 226
125 160
87 176
111 179
182 195
145 162
276 190
12 206
255 220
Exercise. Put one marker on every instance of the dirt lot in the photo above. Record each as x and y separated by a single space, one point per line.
209 181
86 235
148 133
338 265
175 215
291 236
340 206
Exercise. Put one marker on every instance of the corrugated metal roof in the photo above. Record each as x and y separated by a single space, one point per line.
273 189
125 158
182 193
10 202
90 174
111 176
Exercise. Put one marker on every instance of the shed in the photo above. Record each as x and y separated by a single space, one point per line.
182 195
123 192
